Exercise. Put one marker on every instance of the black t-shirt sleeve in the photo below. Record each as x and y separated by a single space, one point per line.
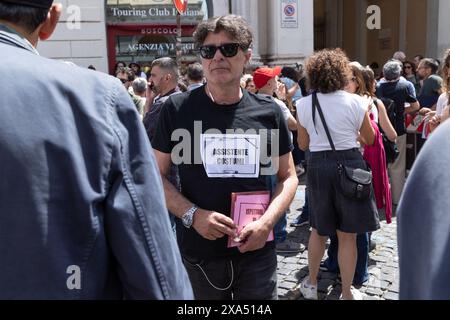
410 98
165 126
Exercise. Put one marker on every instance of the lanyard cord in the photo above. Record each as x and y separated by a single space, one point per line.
217 288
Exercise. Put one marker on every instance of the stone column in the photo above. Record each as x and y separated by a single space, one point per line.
443 39
438 27
254 12
286 46
220 7
273 44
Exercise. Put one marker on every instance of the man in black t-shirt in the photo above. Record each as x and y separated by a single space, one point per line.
395 87
163 82
432 84
221 115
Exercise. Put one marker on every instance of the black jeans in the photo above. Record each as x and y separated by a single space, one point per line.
249 276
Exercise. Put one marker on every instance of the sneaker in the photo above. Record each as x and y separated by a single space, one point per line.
357 295
372 245
307 290
300 221
299 170
290 247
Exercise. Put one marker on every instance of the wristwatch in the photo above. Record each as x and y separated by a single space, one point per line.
188 217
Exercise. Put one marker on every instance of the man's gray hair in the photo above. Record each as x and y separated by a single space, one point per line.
169 65
139 85
235 26
392 70
399 55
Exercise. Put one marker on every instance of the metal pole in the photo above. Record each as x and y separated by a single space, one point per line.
178 45
210 6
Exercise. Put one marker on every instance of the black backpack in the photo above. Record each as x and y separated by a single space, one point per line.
390 148
394 111
391 109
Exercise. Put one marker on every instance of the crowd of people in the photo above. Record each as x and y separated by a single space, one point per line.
117 187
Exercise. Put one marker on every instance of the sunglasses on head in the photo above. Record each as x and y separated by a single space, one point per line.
228 50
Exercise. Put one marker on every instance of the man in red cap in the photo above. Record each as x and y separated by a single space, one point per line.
263 75
82 212
266 82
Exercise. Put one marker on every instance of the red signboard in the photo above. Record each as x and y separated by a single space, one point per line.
181 5
159 33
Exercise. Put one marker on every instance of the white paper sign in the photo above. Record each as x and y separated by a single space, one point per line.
289 14
230 155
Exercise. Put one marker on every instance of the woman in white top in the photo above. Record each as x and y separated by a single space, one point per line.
443 104
363 84
331 212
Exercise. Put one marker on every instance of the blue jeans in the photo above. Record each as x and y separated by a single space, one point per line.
362 246
279 231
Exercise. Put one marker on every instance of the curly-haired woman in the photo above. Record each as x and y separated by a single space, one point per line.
331 212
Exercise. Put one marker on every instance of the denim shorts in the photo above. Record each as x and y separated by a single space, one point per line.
330 210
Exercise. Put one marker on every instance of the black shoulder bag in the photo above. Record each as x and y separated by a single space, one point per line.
354 183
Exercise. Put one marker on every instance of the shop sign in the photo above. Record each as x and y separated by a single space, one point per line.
164 45
155 13
159 47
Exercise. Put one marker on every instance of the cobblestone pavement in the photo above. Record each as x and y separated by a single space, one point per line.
383 263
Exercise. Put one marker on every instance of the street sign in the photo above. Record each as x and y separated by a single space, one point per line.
181 5
289 13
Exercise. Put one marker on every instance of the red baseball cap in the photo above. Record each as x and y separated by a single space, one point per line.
263 75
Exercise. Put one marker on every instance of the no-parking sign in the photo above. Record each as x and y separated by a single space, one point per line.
289 13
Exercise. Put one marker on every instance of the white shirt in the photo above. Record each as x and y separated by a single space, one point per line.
284 110
194 86
344 113
442 103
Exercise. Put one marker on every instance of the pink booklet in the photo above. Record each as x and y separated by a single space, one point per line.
247 207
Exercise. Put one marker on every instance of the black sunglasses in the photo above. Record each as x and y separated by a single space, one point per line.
228 50
123 80
408 67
